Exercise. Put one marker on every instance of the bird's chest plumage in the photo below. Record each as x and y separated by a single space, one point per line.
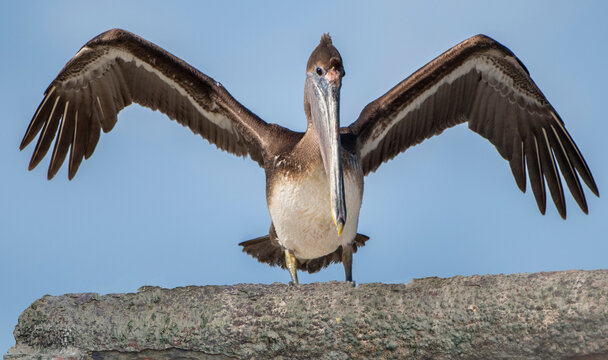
299 205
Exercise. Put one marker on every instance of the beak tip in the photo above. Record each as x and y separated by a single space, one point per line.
340 228
339 225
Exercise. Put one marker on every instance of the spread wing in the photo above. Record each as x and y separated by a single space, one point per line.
117 68
482 82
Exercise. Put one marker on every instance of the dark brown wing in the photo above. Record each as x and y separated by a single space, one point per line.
117 68
482 82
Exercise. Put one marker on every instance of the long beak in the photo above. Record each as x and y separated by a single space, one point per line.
323 94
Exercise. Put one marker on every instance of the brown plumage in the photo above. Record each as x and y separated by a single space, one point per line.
478 81
512 114
266 249
98 83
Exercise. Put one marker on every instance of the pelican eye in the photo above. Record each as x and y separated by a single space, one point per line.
319 70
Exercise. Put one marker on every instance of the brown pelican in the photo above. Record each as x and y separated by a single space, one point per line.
314 180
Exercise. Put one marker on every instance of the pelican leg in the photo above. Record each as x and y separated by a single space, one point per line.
347 261
290 261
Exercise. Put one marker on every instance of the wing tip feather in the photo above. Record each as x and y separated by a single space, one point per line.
594 188
31 166
562 212
51 174
24 144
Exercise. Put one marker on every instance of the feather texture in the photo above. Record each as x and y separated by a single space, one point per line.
481 82
117 68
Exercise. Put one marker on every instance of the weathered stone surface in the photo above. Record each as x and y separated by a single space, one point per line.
557 315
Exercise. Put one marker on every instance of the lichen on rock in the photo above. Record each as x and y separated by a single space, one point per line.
522 316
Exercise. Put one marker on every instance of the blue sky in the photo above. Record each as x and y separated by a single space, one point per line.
156 205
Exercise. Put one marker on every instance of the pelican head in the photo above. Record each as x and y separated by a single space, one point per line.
324 73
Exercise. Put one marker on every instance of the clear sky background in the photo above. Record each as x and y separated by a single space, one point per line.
157 205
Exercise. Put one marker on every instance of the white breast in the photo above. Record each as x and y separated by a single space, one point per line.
300 210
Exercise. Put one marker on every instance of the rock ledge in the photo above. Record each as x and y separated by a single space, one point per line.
556 315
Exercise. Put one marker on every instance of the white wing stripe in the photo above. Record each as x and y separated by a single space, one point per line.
552 162
483 64
105 61
46 127
538 163
559 141
46 98
561 126
65 115
100 107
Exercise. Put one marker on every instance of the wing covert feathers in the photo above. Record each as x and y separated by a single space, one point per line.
481 82
117 68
